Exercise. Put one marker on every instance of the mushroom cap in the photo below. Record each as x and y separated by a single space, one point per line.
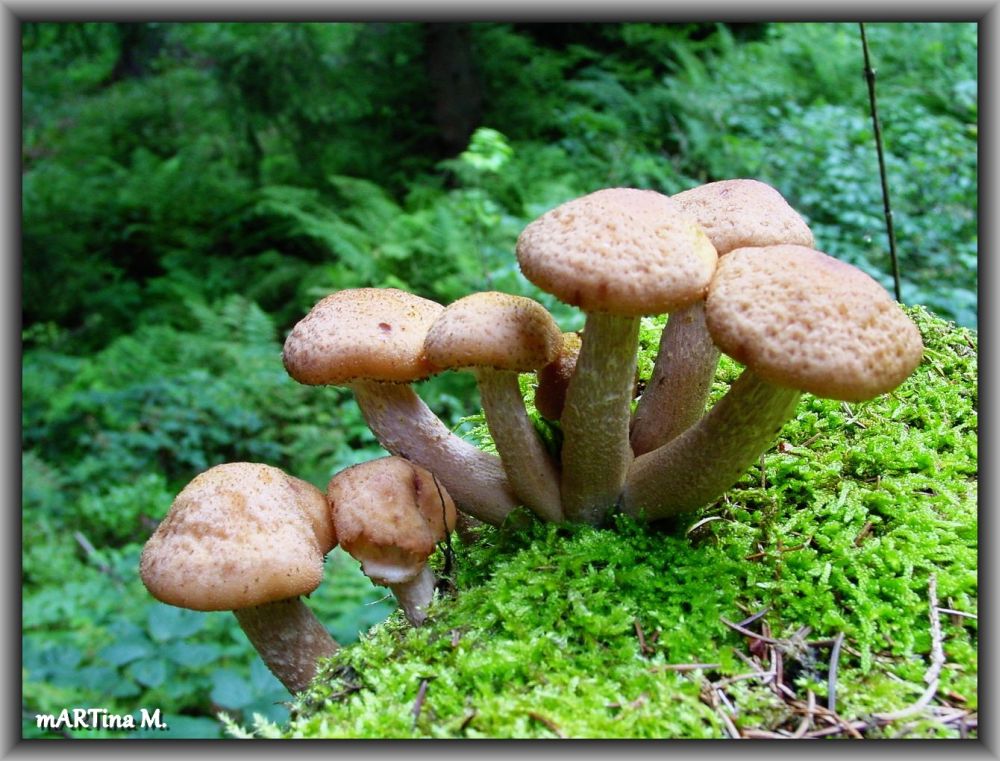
239 535
741 213
620 250
388 514
361 333
553 379
801 319
495 330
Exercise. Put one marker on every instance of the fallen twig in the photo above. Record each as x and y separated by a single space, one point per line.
418 704
937 662
551 725
747 633
682 667
831 691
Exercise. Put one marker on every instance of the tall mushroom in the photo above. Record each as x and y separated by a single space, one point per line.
390 514
800 321
734 214
372 340
617 254
497 336
248 538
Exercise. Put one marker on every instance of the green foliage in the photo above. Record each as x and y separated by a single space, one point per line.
862 504
793 111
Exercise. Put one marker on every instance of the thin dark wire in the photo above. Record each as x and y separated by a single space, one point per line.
449 552
870 78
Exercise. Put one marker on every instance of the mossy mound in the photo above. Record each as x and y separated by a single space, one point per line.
625 632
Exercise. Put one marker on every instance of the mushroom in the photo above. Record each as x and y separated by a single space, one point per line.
497 336
251 539
371 340
734 214
550 393
800 321
390 514
617 254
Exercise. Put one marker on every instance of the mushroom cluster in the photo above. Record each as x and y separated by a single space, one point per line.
731 263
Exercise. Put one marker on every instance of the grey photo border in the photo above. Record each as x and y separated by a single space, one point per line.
12 14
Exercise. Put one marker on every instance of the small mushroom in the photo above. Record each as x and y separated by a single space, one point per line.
497 336
553 379
390 514
800 321
248 538
617 254
371 340
734 214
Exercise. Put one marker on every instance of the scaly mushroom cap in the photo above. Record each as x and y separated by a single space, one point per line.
740 213
390 514
361 333
620 250
801 319
240 534
553 379
495 330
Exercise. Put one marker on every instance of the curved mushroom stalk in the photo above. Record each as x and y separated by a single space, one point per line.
595 417
415 595
530 468
799 320
701 464
677 391
289 638
407 427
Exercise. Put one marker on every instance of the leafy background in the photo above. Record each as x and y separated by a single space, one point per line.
190 190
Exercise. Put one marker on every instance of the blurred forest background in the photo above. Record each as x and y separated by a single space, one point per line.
191 190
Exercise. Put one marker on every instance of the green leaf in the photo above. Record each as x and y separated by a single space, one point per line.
191 654
230 690
121 653
166 622
150 673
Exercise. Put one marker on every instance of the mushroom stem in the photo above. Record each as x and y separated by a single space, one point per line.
415 595
595 419
289 638
697 467
407 427
532 472
677 391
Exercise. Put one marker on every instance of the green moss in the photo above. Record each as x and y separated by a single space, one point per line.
840 530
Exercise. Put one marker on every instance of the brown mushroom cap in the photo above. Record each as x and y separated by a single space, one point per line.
240 534
553 379
740 213
620 250
801 319
495 330
388 514
361 333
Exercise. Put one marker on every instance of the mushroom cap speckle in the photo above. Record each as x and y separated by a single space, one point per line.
621 251
390 514
494 330
801 319
741 213
361 333
239 535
